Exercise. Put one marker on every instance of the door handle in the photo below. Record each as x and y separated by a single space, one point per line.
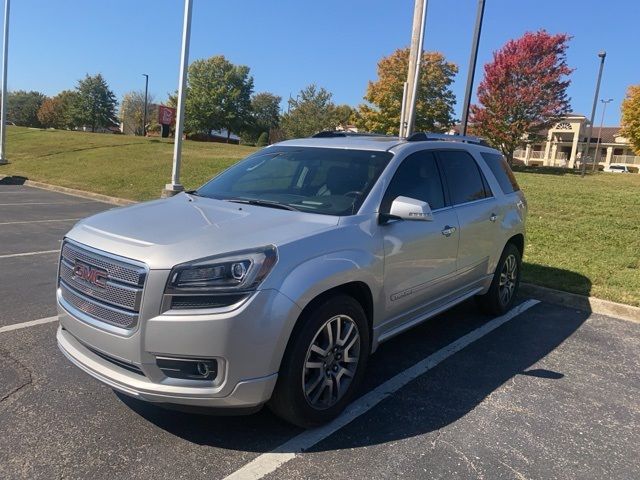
448 230
493 217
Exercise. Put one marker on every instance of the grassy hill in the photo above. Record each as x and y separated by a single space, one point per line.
123 166
583 234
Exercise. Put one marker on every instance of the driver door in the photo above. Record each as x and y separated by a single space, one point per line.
420 256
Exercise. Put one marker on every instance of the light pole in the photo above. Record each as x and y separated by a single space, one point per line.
3 101
472 68
413 74
596 160
585 155
146 93
175 187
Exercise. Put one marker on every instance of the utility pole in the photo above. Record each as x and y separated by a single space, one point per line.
585 155
472 68
416 47
175 187
413 74
146 93
597 153
3 101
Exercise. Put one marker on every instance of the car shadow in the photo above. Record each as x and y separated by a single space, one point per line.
438 398
13 180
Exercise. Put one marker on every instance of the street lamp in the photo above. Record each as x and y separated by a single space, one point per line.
597 153
3 101
472 68
585 155
146 92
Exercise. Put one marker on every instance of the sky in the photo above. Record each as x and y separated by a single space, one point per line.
289 44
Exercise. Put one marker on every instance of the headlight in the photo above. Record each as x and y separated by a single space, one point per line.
218 281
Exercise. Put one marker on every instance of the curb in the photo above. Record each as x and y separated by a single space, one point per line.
580 302
78 193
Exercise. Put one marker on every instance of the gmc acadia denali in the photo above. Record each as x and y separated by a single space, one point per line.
275 281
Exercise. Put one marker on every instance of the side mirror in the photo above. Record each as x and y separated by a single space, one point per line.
406 208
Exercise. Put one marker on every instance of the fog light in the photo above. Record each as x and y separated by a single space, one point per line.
188 368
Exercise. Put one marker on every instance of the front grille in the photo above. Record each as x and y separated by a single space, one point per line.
117 301
120 363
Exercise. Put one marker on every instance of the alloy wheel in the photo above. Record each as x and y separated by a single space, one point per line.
331 362
508 279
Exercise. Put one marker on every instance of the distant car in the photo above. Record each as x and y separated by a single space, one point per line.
617 169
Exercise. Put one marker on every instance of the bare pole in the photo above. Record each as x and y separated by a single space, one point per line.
175 186
402 111
414 51
3 101
472 68
597 153
146 93
583 166
411 120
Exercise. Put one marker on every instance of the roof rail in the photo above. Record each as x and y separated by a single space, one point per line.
341 133
426 136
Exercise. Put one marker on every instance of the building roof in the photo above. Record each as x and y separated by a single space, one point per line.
608 134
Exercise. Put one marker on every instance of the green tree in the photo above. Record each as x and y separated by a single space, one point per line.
132 112
631 117
218 96
22 108
95 105
263 140
265 117
310 112
435 102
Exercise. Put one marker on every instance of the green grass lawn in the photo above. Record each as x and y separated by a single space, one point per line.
583 234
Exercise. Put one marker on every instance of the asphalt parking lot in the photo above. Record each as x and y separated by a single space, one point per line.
549 393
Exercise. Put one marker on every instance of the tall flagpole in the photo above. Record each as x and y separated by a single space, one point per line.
3 101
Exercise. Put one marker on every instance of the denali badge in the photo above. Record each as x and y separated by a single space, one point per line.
93 275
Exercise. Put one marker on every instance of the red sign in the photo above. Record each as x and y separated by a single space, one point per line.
166 115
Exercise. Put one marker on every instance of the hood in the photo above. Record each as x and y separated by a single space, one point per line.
164 233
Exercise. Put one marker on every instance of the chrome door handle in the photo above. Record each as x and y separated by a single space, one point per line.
493 217
448 230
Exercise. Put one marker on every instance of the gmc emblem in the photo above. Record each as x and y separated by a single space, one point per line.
94 276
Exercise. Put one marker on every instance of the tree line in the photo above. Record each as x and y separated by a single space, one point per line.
524 90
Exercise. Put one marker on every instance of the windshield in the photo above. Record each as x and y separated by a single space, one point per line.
329 181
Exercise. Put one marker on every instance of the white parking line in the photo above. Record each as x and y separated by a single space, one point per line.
40 221
32 323
28 254
41 203
269 462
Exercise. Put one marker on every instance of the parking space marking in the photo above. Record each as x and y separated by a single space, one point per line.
269 462
32 323
40 221
28 254
42 203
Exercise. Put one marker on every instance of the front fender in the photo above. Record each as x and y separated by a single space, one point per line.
320 274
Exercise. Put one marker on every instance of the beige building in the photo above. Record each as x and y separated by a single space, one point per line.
566 141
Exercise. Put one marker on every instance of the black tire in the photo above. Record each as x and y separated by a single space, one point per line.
289 400
494 302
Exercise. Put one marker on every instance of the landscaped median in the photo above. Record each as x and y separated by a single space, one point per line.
583 233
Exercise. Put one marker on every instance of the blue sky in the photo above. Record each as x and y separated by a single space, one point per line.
289 44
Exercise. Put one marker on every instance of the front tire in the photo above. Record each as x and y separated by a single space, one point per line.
324 363
504 286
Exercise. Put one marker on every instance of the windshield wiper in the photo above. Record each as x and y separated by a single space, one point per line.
262 203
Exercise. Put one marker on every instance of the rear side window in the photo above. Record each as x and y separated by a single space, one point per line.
464 179
417 177
501 171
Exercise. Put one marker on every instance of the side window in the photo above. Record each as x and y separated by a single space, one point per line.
502 172
417 177
464 178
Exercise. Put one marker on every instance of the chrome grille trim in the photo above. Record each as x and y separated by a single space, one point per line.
98 310
114 293
117 270
115 304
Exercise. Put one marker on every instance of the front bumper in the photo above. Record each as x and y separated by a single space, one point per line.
248 344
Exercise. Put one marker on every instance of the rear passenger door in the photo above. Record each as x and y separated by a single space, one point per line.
476 207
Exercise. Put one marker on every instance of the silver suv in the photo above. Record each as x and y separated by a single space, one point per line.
275 281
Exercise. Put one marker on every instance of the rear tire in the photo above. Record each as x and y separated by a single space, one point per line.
504 286
324 363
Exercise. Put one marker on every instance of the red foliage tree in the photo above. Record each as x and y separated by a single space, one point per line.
523 90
